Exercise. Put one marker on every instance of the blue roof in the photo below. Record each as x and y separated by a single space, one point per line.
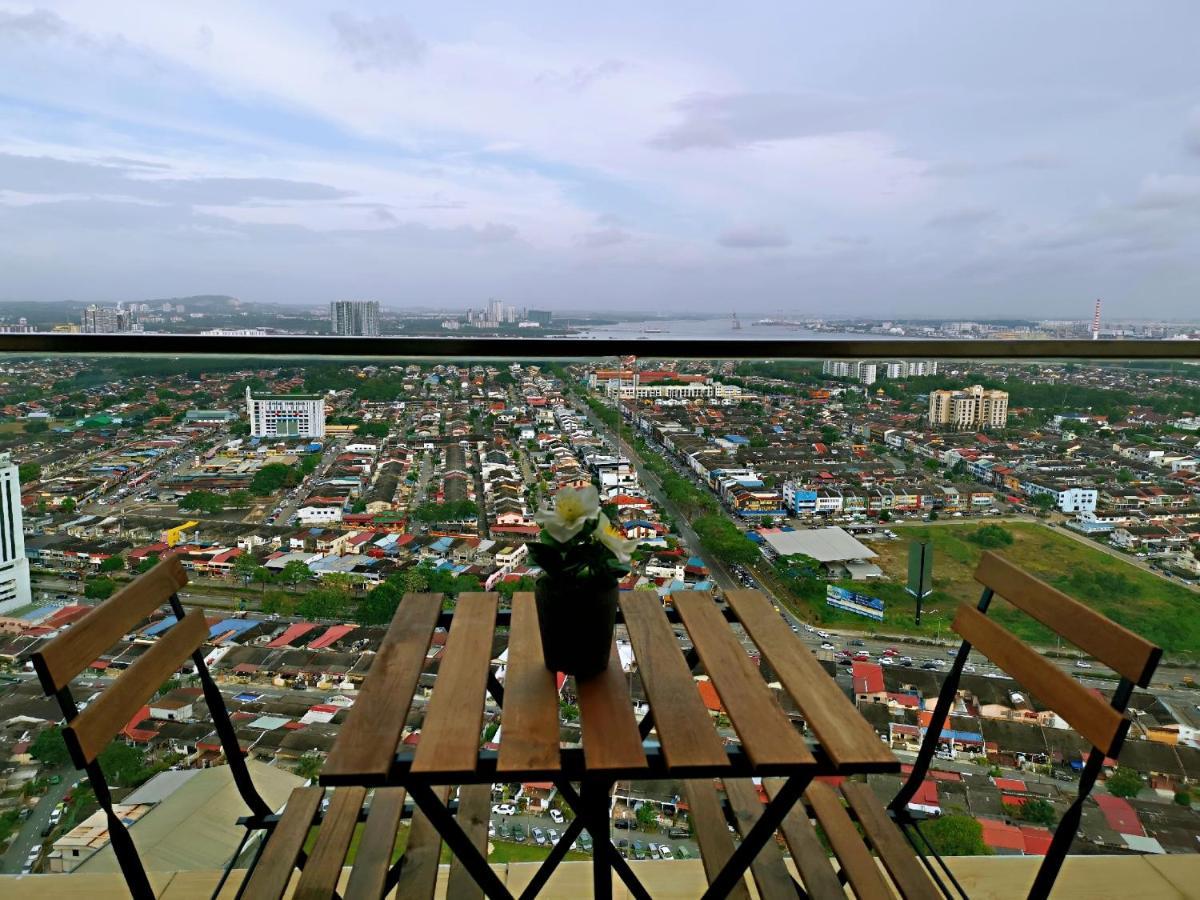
695 561
750 482
737 439
778 429
36 615
442 543
702 586
159 627
754 536
241 626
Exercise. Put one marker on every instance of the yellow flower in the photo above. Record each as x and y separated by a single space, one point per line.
572 510
614 539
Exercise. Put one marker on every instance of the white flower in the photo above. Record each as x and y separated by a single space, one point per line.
572 510
614 539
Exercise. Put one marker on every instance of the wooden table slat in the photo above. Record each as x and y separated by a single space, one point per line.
374 856
422 854
366 744
716 843
610 730
683 724
809 856
530 716
766 734
454 717
270 877
319 878
890 844
474 811
770 874
844 735
856 860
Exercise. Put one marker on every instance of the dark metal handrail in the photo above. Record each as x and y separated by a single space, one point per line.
467 349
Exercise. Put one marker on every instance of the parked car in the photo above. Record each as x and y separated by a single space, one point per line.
1082 664
827 646
556 816
504 809
858 643
585 842
652 849
622 823
664 851
551 836
905 660
679 833
539 836
518 833
682 852
639 850
930 664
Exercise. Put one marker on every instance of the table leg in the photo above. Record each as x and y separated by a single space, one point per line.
594 795
460 845
754 840
542 875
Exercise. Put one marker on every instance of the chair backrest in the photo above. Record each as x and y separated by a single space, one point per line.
1103 724
87 733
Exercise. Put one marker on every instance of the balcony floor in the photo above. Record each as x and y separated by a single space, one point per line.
985 878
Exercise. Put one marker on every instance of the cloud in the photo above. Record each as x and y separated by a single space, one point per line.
1169 192
602 237
385 43
581 77
967 217
754 237
727 121
38 25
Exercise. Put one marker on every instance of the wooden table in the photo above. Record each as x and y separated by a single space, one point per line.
614 745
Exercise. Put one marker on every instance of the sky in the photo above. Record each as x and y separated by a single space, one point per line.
872 158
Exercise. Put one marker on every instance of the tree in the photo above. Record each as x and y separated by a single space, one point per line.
99 588
1125 782
991 536
1124 476
1183 798
245 566
885 516
294 572
202 501
271 477
647 817
49 748
30 471
955 836
239 499
379 604
412 580
1038 811
68 505
148 562
1044 502
114 563
308 766
124 765
36 426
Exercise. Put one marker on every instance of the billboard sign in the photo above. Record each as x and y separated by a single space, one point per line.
849 601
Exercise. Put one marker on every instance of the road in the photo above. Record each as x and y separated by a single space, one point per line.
30 834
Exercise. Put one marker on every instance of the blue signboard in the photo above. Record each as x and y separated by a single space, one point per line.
849 601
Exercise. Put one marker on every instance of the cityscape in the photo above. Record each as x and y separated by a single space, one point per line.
304 500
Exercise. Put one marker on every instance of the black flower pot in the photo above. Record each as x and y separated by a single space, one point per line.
576 618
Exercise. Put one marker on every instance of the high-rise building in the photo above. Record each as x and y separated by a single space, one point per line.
108 320
286 415
355 317
14 567
860 370
542 316
495 312
973 407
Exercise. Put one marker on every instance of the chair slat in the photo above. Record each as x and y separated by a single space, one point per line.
319 878
683 724
422 853
92 730
1087 714
716 843
855 859
1114 645
893 848
844 735
82 644
770 874
766 734
530 716
270 877
611 739
474 811
366 744
374 856
809 856
454 717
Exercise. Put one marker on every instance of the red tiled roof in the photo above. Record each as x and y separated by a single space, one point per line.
1037 840
334 633
867 678
1001 836
292 633
708 694
1009 784
1120 814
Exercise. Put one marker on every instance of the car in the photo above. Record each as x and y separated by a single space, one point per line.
682 852
845 661
823 634
552 835
886 661
518 833
664 851
679 833
858 643
491 829
503 832
905 660
1082 664
539 836
623 824
556 816
652 849
862 656
929 664
585 842
827 646
504 809
638 849
32 856
890 651
968 668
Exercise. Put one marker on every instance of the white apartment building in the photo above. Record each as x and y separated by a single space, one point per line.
1066 499
286 415
973 407
868 371
861 371
14 567
355 317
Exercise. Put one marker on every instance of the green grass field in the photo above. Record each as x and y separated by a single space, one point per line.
1162 612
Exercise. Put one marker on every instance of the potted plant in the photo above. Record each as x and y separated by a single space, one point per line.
582 555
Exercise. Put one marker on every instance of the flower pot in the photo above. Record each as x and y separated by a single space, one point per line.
576 619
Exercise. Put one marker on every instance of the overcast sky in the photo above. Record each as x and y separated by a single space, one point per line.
884 157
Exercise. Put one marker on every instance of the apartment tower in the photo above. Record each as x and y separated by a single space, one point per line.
355 317
14 567
973 407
